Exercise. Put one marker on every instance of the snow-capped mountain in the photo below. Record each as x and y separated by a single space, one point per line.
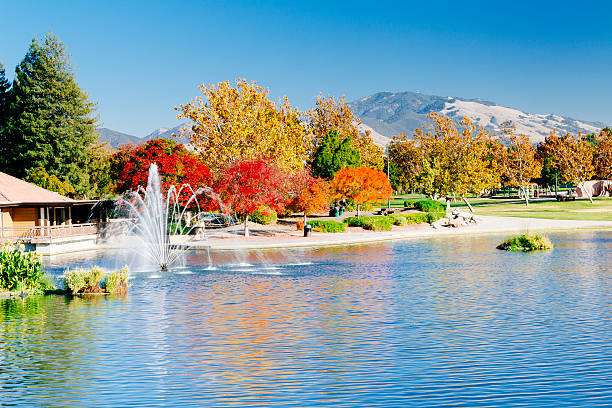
392 113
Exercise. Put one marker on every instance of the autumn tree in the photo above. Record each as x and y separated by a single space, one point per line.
603 155
518 161
129 166
248 185
361 185
407 160
330 115
334 154
311 194
41 178
573 156
443 159
234 124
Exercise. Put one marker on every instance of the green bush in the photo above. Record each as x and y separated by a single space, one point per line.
359 222
398 219
116 282
429 206
526 243
20 270
328 226
432 217
409 203
382 224
264 215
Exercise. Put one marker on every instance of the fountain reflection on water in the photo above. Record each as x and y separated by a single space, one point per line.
164 225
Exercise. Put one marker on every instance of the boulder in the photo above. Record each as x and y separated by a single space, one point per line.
595 188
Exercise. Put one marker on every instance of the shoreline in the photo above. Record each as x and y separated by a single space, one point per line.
486 225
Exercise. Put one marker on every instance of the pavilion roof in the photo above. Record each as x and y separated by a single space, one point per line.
16 191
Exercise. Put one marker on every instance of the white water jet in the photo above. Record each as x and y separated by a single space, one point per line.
160 223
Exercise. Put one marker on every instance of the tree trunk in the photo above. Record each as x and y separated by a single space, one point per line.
448 207
526 197
304 219
358 205
468 204
586 192
246 226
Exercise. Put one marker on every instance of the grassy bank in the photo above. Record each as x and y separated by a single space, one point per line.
600 210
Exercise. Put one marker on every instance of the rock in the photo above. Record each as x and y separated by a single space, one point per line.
595 188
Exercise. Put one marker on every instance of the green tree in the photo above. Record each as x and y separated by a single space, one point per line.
41 178
51 123
5 89
334 154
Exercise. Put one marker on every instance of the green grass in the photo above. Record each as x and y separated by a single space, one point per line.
600 210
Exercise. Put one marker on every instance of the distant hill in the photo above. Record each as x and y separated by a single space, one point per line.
389 114
115 138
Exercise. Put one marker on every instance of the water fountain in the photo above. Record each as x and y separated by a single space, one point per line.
161 225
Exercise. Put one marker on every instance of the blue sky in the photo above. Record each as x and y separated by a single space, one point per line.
138 60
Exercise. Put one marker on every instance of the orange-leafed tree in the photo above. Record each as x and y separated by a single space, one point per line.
311 195
603 155
518 162
361 185
574 157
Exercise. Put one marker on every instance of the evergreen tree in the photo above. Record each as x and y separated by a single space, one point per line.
5 88
333 155
51 123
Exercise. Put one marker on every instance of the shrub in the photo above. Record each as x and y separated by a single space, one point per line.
264 215
526 243
381 224
328 226
116 282
432 217
359 222
429 206
398 219
409 203
19 269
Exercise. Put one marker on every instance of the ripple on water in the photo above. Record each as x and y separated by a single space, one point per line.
418 323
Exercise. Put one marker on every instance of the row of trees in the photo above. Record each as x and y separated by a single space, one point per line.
47 122
249 185
445 158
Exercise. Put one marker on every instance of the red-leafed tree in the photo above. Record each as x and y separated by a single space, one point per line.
310 195
249 185
177 166
362 185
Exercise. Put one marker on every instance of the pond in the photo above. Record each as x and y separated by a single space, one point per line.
424 322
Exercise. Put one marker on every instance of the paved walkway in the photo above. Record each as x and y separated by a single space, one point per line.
486 225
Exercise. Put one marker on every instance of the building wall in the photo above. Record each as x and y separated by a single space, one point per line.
24 216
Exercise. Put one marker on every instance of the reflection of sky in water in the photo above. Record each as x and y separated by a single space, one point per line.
413 323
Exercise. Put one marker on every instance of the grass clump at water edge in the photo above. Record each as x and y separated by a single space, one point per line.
95 280
526 243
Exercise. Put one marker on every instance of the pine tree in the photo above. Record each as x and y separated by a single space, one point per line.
333 155
50 118
5 89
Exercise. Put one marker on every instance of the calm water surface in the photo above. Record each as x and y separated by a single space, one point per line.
414 323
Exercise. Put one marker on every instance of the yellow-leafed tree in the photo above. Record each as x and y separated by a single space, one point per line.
330 115
233 124
518 162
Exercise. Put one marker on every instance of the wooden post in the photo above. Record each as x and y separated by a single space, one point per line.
41 215
1 225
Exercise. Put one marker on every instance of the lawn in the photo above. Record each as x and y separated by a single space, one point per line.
600 210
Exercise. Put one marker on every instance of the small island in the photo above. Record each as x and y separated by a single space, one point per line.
526 243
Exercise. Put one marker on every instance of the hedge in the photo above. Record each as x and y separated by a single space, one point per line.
327 226
429 206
